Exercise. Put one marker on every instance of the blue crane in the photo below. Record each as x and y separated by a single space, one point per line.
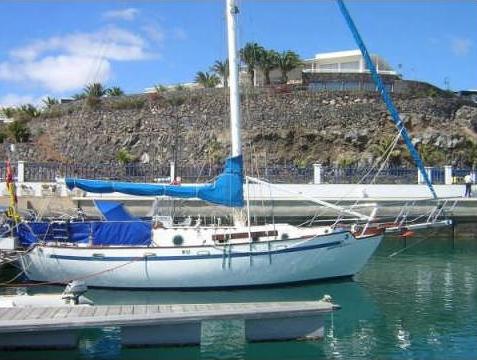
386 98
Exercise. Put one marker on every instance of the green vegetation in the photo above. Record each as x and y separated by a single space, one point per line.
52 113
79 96
287 61
50 101
381 150
206 79
221 69
160 88
29 111
18 131
214 151
124 157
3 137
250 55
128 103
176 100
268 61
9 112
431 155
95 90
23 113
115 91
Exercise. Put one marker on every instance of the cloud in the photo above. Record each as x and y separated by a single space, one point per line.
155 33
64 73
128 14
111 42
460 46
64 63
16 100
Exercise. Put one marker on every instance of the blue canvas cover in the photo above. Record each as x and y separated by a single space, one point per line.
121 233
113 210
101 232
31 233
226 190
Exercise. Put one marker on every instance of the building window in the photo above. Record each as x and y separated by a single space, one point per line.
350 66
329 67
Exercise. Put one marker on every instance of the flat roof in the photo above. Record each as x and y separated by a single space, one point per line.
330 55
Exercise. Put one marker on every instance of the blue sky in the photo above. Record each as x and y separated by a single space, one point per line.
53 48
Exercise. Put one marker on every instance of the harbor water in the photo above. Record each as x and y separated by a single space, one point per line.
415 299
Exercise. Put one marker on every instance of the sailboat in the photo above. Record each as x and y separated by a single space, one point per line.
124 252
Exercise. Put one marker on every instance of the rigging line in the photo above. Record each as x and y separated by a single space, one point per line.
386 98
410 246
80 277
388 152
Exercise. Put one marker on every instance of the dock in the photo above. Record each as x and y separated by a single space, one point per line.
157 325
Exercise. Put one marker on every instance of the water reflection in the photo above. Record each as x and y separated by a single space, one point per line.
420 303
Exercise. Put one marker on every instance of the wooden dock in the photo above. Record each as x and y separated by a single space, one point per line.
149 325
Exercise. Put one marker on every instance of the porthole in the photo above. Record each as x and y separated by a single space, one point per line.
285 236
178 240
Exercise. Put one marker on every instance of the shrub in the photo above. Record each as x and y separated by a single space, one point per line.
52 112
128 103
93 101
19 131
124 157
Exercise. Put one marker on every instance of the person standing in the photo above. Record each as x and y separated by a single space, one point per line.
468 185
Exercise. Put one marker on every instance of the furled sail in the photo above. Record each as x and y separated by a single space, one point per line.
227 189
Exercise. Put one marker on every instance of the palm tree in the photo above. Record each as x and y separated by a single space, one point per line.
250 55
115 91
50 101
78 96
267 62
94 90
29 110
221 69
206 79
287 61
19 131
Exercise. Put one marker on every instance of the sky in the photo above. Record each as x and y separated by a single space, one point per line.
55 48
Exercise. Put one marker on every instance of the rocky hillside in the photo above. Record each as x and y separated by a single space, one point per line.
292 125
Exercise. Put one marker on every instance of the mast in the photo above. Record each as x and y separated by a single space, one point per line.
235 119
386 98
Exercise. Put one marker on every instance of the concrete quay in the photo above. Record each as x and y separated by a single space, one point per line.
287 202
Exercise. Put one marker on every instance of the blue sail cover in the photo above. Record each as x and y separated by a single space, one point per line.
226 190
110 233
113 211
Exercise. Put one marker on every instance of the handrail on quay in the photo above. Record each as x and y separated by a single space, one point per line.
284 173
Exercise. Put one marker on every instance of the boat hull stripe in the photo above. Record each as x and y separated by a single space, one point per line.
194 257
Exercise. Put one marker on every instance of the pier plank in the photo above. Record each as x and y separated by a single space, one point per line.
69 318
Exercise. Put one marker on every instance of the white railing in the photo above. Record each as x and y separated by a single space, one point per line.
348 71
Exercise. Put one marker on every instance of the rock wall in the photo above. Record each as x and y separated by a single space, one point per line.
280 125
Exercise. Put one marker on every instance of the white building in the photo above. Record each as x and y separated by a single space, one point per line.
339 62
3 118
350 61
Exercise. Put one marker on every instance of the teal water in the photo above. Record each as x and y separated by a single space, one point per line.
420 303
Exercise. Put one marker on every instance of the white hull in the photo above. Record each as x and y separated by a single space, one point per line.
262 263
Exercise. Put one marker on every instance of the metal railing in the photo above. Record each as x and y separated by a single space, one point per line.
285 174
